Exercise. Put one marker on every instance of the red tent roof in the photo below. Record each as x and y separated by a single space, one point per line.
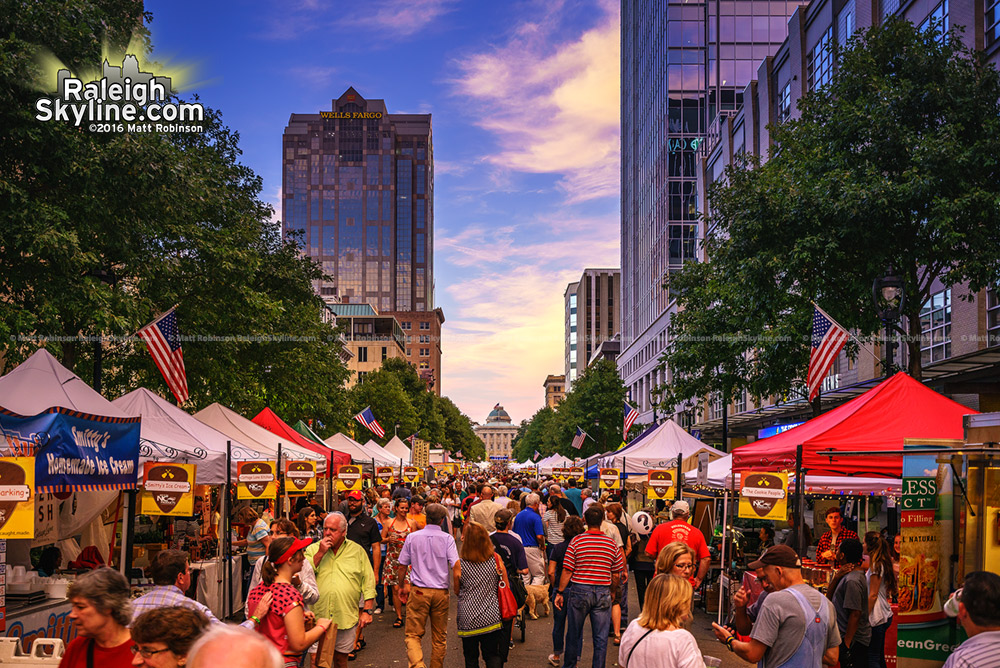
879 419
269 420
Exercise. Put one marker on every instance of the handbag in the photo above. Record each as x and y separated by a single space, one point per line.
508 605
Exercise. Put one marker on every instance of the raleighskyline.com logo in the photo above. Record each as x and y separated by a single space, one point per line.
124 99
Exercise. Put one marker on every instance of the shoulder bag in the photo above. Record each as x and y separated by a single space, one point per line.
508 606
628 659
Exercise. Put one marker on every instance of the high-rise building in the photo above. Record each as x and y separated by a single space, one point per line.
555 390
683 64
593 315
358 186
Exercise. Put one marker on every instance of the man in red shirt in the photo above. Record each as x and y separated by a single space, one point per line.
678 529
830 542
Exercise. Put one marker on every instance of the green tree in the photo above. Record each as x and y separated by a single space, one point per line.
459 435
892 164
390 405
103 231
537 434
425 403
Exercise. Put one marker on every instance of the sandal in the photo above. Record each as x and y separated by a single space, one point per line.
554 660
351 656
618 640
398 624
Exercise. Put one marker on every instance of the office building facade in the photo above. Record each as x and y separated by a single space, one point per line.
555 390
422 330
593 315
682 64
358 191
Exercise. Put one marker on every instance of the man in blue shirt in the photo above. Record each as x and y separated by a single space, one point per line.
528 525
573 494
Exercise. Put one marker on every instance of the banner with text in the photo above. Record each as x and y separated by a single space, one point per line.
167 489
75 451
300 477
764 496
256 480
17 497
660 484
385 475
609 479
411 474
349 478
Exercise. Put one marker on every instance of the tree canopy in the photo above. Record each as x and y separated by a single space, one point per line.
894 164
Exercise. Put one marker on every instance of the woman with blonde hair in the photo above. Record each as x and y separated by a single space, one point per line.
676 558
658 638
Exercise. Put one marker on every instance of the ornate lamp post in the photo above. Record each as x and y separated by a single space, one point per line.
654 401
889 294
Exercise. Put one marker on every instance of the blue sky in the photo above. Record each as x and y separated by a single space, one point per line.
525 104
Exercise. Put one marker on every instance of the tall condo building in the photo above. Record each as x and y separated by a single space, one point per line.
683 64
358 192
358 185
593 316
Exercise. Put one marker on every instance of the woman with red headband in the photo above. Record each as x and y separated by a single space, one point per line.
285 622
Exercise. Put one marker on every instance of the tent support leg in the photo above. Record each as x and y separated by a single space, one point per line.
680 478
800 503
227 537
128 533
722 552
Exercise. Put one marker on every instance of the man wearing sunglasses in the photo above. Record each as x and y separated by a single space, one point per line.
978 612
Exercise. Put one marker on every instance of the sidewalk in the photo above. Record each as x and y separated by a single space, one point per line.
701 628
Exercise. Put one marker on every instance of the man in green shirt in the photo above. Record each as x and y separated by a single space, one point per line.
346 584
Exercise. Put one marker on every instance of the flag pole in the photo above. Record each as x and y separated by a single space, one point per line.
856 339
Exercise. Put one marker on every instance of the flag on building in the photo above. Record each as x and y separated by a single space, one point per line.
828 339
580 437
366 418
164 345
630 415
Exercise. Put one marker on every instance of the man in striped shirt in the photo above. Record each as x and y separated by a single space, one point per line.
593 564
978 612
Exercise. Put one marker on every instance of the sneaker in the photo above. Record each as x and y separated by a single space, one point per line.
377 611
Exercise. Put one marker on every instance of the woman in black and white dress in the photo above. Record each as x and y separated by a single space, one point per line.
479 623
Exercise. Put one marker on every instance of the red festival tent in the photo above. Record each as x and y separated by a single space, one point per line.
879 419
269 420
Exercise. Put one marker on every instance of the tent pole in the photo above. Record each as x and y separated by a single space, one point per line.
128 533
226 537
677 487
280 510
722 552
866 513
800 502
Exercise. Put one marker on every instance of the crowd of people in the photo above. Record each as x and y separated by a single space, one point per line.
316 580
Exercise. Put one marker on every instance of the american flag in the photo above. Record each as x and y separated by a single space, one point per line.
160 337
580 437
411 438
366 418
630 415
828 338
536 456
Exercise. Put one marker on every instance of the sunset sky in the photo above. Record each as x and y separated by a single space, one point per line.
525 104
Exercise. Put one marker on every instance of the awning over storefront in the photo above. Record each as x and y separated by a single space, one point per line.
880 419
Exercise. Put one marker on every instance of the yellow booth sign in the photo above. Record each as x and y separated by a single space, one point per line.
349 478
764 496
300 477
411 473
17 502
660 484
167 489
385 475
609 479
256 480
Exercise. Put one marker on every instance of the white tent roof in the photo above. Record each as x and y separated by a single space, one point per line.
398 449
720 474
166 426
253 436
41 382
359 453
659 450
553 462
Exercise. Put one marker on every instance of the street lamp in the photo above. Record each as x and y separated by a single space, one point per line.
889 294
107 277
654 401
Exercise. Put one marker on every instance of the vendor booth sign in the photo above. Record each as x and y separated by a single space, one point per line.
561 473
576 473
300 477
411 474
256 480
609 479
17 503
167 489
75 451
349 478
385 475
764 496
661 484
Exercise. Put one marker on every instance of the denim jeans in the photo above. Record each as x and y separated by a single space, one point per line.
559 622
587 601
876 650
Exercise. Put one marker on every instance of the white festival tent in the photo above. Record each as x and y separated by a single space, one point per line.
554 462
659 450
40 383
168 433
372 446
359 453
720 475
256 442
398 449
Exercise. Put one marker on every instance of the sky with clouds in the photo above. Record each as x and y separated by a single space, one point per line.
525 104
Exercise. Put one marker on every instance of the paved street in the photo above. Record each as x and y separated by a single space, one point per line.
385 644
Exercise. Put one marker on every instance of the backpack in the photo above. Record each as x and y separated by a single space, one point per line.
517 587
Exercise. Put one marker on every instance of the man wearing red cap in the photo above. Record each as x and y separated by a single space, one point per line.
679 529
345 578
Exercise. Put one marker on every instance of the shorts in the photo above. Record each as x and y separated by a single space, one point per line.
345 639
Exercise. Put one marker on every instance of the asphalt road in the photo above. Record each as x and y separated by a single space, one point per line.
386 649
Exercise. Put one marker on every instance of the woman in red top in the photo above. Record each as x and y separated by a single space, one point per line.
102 611
285 622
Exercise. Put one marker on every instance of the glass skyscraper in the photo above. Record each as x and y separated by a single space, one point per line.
683 64
358 186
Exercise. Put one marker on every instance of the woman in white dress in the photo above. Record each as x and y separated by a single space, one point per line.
658 638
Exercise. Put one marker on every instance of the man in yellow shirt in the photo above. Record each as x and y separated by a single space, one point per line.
346 584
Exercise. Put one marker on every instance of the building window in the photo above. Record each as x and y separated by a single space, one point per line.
405 325
740 405
425 325
425 352
938 19
846 23
715 406
409 352
385 353
992 22
363 354
785 103
993 315
362 375
935 328
819 62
